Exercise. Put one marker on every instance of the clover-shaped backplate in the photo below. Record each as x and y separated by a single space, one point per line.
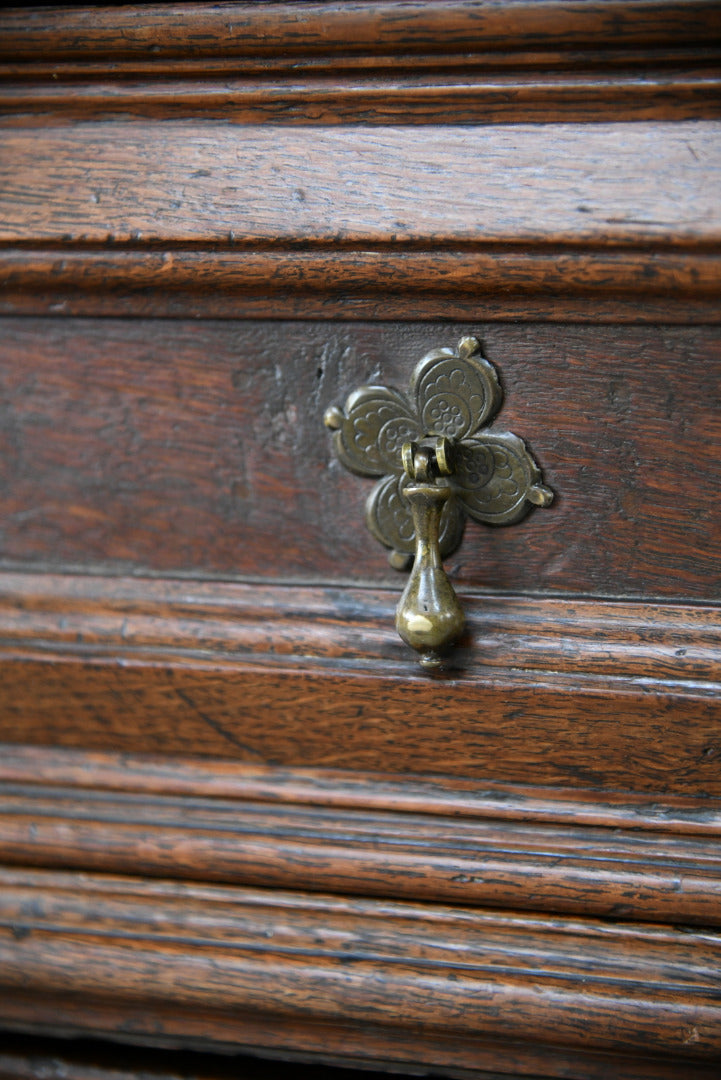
453 393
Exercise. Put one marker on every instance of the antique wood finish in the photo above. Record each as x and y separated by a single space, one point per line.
371 62
393 222
416 838
210 436
579 284
445 186
234 817
583 693
375 28
224 952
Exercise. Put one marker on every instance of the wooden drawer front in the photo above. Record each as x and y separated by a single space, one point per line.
235 813
198 448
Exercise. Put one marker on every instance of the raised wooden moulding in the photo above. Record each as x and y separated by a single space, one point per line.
427 839
210 226
232 814
179 963
575 693
347 96
300 63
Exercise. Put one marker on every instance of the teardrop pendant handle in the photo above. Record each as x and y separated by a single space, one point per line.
429 617
437 464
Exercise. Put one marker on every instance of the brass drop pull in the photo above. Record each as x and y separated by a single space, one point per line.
437 467
428 617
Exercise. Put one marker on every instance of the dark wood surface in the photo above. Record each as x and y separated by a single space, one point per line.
540 284
199 448
192 182
581 694
234 814
241 29
545 849
395 222
332 63
440 795
211 956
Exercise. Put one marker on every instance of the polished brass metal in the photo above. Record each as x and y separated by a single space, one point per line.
437 467
428 616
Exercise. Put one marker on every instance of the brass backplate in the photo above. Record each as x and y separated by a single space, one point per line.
456 394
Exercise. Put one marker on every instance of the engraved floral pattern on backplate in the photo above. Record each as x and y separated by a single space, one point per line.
453 393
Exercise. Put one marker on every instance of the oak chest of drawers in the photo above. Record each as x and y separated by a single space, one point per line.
236 813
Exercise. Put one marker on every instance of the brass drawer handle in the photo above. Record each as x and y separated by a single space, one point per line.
437 466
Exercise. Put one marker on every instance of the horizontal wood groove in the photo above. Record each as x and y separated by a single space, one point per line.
542 691
231 952
300 63
345 306
440 26
447 796
85 616
668 92
223 230
505 848
388 282
24 1057
369 63
314 1044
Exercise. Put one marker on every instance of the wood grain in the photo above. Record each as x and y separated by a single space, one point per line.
368 1047
209 435
210 182
248 29
576 702
440 796
202 693
335 63
621 873
684 91
231 953
644 283
84 616
509 727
